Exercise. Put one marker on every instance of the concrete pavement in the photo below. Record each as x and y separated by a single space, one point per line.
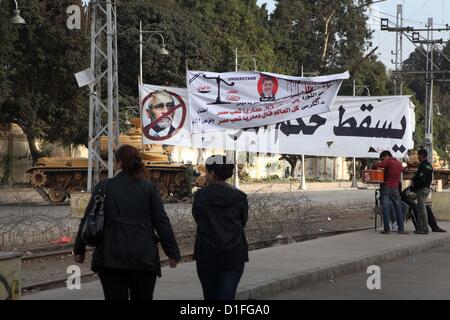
423 276
275 270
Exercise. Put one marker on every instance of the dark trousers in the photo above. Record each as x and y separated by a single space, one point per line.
219 282
127 284
431 219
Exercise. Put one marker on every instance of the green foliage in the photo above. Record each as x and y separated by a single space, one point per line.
47 149
43 97
323 36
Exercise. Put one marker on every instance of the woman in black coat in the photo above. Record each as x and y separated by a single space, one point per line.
127 260
221 249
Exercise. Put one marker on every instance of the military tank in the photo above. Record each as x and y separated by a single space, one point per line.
56 178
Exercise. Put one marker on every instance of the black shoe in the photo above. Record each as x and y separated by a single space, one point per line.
403 232
420 232
385 232
439 230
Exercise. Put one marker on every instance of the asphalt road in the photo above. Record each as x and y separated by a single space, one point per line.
423 276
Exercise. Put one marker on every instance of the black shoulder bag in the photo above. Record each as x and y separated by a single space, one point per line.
92 232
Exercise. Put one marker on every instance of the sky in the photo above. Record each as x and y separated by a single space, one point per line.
415 14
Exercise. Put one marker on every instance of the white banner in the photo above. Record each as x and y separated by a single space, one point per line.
360 127
237 100
164 115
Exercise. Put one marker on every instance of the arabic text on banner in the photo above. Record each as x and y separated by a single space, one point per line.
237 100
354 127
360 127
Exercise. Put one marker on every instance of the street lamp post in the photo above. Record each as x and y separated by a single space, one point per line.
235 154
162 50
16 19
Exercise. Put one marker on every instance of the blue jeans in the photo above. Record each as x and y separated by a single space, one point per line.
390 198
218 282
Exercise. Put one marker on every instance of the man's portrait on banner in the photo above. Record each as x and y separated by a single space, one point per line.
267 88
163 115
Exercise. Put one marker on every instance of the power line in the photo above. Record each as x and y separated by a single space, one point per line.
417 11
405 19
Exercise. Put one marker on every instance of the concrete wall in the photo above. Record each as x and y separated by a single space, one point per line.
21 157
441 205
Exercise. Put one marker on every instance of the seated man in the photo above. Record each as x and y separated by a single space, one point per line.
408 198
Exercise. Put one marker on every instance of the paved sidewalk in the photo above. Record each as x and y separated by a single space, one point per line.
422 276
278 269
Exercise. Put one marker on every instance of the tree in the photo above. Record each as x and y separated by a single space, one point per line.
200 34
43 97
292 159
324 36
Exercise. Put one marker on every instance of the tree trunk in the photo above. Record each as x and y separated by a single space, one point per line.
35 153
326 38
292 160
293 166
363 167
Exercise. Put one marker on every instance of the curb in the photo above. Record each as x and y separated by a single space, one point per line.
268 289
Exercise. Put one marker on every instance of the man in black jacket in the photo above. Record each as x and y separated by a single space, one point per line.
421 187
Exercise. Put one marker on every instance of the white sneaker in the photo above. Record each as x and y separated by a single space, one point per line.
394 226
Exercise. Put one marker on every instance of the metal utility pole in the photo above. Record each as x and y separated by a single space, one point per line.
104 92
430 71
430 68
398 61
430 84
400 18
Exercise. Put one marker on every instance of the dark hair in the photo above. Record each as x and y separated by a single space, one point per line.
266 78
221 166
131 162
423 153
385 153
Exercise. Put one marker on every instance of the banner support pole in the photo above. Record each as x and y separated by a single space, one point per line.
303 181
236 167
